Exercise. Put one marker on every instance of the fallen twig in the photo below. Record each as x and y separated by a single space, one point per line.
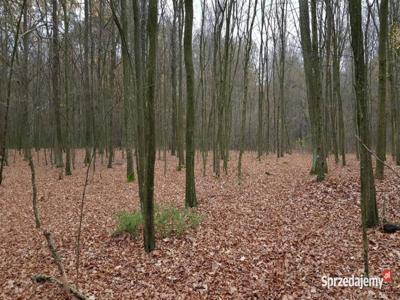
40 278
51 245
374 155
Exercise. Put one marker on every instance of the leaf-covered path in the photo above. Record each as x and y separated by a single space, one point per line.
271 237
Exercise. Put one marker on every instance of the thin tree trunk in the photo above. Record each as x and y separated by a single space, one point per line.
381 131
130 174
66 90
55 85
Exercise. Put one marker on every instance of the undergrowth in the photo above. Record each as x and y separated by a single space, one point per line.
168 221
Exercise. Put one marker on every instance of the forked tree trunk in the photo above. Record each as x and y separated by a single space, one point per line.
313 83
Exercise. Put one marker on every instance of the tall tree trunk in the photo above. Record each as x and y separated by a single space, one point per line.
204 140
86 83
141 148
173 79
394 77
25 134
328 84
180 112
130 174
381 133
66 90
3 143
190 195
337 98
248 45
367 180
368 195
261 78
149 240
56 92
313 83
111 91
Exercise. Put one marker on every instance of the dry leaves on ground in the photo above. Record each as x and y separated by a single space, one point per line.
271 237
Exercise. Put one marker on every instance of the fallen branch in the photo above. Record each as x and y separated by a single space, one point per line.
45 278
51 245
34 194
54 254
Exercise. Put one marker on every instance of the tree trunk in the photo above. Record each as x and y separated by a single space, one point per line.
173 79
130 174
190 195
368 195
149 240
86 84
381 133
66 90
313 83
56 92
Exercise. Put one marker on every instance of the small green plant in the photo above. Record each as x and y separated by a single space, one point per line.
131 178
130 223
168 221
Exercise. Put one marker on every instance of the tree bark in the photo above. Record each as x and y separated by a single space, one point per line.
190 195
130 174
55 85
149 240
381 133
313 83
368 194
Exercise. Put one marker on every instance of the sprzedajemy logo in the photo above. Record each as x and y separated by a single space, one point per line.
360 282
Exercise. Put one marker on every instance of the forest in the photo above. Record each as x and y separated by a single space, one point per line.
200 149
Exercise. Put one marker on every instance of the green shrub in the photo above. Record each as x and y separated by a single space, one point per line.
131 178
168 221
130 223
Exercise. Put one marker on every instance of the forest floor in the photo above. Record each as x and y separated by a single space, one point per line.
272 237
